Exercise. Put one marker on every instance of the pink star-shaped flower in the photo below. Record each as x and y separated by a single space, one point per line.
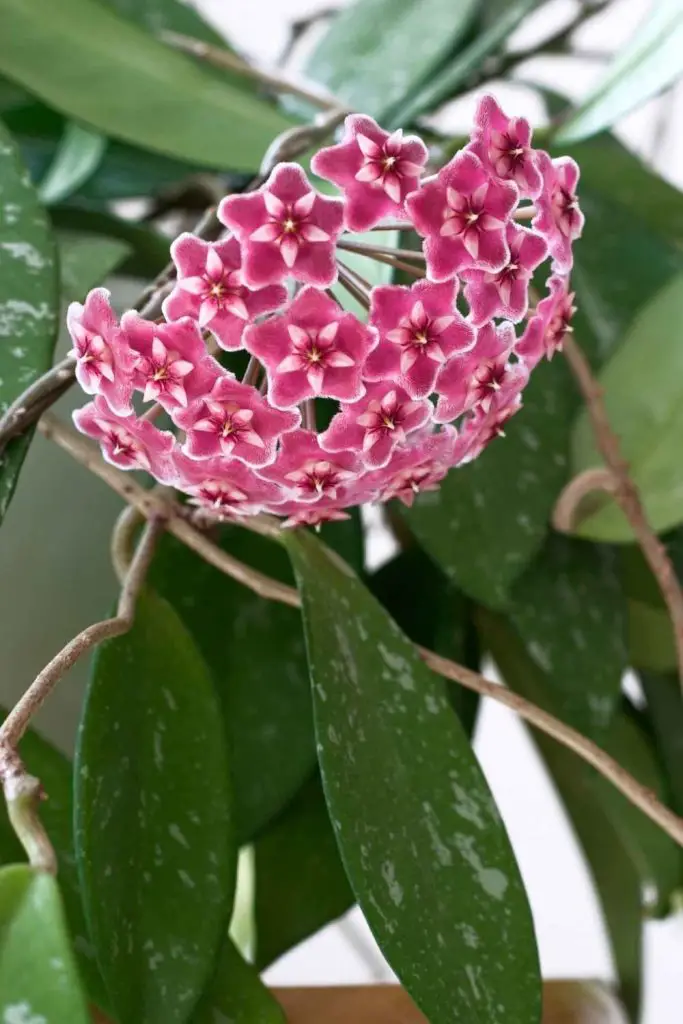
308 472
299 514
226 487
104 362
210 289
173 366
285 228
482 426
506 293
418 466
462 214
376 424
128 441
559 218
474 379
504 145
234 419
419 328
313 349
550 324
374 169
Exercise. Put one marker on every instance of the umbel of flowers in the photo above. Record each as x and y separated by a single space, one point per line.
422 384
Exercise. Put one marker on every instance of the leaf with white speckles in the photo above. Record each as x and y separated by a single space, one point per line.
154 835
569 609
423 844
254 650
29 298
39 983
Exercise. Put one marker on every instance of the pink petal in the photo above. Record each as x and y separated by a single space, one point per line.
252 438
392 187
193 285
369 172
329 331
290 364
181 367
312 233
316 376
367 146
298 335
158 350
289 250
266 233
214 265
408 359
235 305
207 311
274 206
303 206
338 359
177 392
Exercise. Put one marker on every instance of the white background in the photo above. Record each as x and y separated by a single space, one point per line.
60 521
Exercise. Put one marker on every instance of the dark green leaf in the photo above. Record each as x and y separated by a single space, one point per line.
642 394
85 261
424 847
432 612
255 651
101 69
454 75
651 642
38 976
301 884
569 610
148 251
56 813
78 154
159 16
665 710
462 526
154 837
237 995
376 52
647 64
610 859
29 300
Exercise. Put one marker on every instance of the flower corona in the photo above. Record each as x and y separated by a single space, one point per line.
283 397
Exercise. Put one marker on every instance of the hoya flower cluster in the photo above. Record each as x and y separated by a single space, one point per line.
333 410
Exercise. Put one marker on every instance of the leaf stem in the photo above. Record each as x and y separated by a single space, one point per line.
599 478
151 505
223 58
23 794
626 493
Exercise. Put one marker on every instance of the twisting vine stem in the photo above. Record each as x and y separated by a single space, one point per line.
161 508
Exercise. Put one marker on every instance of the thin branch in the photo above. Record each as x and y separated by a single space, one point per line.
16 723
23 795
567 505
626 493
150 505
276 80
369 249
348 280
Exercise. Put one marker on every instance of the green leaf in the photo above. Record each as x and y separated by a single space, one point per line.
56 813
376 52
98 68
237 995
432 612
38 976
29 300
85 261
301 884
461 526
424 847
154 836
453 77
650 62
76 160
167 15
147 250
642 394
569 610
610 859
651 641
255 651
665 712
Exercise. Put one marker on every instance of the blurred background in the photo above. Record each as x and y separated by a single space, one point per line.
65 542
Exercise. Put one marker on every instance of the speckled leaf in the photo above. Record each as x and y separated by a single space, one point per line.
642 394
254 650
101 69
39 982
237 995
611 861
570 611
154 836
432 612
461 525
29 299
85 261
56 813
375 53
423 845
651 643
301 884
